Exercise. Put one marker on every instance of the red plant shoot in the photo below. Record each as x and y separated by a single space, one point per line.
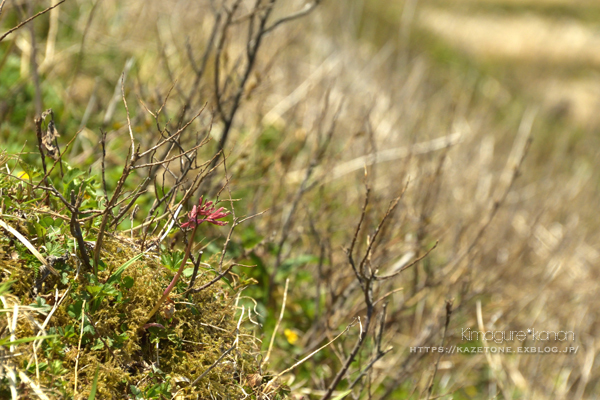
206 212
201 213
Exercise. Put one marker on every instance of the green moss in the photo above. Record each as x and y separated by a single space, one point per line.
147 363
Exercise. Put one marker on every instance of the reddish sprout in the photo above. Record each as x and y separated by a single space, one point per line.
206 212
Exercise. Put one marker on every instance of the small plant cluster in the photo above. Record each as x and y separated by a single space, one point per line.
95 310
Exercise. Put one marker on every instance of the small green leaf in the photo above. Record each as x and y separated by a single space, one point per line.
135 391
5 286
172 260
47 222
88 328
116 276
56 367
128 282
72 174
40 303
110 290
74 310
94 290
98 345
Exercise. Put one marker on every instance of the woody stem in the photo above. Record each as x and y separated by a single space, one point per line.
174 281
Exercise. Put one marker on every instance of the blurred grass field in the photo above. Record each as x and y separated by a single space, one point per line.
429 100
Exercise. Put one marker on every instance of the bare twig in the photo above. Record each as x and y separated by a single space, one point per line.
76 229
216 278
253 46
195 272
233 346
377 277
103 144
29 19
38 132
272 381
225 353
133 152
437 363
308 8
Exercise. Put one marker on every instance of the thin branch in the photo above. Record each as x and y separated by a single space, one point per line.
195 272
38 132
350 251
372 241
170 159
133 196
103 143
133 153
28 19
217 278
173 136
380 278
307 357
448 314
107 212
205 57
229 350
251 59
361 338
366 369
388 294
308 8
76 229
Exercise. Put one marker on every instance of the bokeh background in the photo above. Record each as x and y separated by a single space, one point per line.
433 101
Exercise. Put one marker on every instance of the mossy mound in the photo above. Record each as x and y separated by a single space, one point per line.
96 322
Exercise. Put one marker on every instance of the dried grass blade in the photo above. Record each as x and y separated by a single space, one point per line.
29 246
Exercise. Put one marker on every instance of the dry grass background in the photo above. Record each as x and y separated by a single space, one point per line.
420 115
